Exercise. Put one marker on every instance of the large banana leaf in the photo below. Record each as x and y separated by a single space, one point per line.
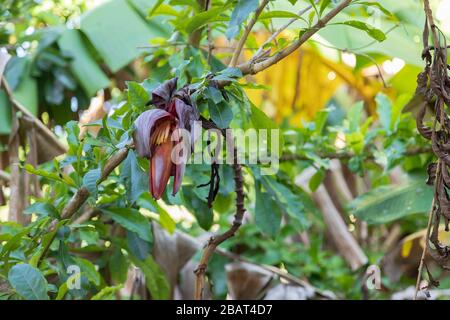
389 203
116 30
84 67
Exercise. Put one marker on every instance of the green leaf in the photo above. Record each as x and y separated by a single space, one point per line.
288 202
90 180
240 13
107 292
373 32
214 94
203 18
118 266
261 121
320 120
267 213
198 207
165 220
15 71
116 30
278 14
5 110
228 74
220 113
155 278
155 7
131 219
82 64
316 180
135 179
62 290
14 242
28 282
390 203
50 175
384 110
137 95
375 4
42 209
26 90
89 270
138 247
324 5
354 116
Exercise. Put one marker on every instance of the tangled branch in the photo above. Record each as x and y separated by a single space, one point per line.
433 85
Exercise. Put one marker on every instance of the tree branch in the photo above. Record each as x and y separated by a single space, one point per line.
247 31
253 67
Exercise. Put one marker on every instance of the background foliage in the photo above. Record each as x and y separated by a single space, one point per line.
343 103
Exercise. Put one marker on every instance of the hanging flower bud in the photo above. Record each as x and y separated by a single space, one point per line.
158 133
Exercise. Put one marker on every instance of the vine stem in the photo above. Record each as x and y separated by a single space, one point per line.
429 14
215 241
434 35
424 252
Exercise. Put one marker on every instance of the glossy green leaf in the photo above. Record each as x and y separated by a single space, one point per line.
135 179
42 209
155 277
137 246
288 202
88 269
220 113
90 180
28 282
316 180
267 213
133 220
261 121
137 95
201 19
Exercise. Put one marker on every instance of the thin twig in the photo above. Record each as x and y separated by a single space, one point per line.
253 67
430 18
281 29
425 247
247 31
